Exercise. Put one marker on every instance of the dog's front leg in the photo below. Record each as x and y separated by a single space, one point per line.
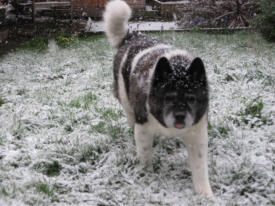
144 143
130 117
197 157
196 143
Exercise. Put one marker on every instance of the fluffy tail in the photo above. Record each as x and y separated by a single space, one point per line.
116 16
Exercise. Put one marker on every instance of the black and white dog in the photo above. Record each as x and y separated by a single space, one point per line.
163 91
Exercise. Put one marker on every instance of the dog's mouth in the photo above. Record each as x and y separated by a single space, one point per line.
179 125
179 121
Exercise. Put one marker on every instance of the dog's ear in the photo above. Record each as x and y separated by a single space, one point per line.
196 70
163 70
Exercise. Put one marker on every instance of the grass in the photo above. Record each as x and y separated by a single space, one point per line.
50 169
65 139
84 101
92 153
218 131
99 127
252 114
113 130
2 101
37 44
4 192
44 188
53 169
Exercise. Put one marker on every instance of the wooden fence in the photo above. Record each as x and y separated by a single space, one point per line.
94 8
168 9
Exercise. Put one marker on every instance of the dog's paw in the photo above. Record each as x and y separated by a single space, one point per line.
145 160
206 192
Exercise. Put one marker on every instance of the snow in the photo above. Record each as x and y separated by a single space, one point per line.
41 123
98 26
172 2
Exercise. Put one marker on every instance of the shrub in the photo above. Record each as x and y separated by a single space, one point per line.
265 20
219 13
38 44
65 41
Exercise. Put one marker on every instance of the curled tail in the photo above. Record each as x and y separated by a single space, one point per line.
116 16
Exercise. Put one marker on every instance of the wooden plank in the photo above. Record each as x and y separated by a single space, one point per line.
51 4
54 5
94 8
89 3
102 3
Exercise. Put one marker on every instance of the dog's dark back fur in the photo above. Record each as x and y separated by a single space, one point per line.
135 42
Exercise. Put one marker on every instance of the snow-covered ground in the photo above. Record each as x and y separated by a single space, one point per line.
64 139
98 26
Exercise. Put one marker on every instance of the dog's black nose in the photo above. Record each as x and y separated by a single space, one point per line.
180 116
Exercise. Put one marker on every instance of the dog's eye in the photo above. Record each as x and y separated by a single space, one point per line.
191 99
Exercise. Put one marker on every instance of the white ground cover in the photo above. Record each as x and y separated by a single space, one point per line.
64 139
98 26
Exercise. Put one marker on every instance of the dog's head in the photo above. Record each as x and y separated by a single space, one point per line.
179 92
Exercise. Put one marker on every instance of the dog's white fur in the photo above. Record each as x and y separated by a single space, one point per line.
195 138
123 95
116 16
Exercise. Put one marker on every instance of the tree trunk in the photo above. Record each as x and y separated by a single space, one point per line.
238 4
213 2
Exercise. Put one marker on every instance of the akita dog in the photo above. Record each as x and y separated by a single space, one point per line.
163 90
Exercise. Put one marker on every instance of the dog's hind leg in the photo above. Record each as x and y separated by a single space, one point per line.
144 143
130 117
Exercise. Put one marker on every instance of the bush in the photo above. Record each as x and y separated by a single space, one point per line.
65 41
219 13
265 21
38 43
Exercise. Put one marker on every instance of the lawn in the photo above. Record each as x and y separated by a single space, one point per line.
64 139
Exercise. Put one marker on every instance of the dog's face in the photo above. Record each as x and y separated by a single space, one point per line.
179 93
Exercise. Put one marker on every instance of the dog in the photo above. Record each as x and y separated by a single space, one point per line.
163 91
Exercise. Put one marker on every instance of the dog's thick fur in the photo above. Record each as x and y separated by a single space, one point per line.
163 91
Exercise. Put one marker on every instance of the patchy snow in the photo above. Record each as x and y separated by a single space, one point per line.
172 2
64 139
97 26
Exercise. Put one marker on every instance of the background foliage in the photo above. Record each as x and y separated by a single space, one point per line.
265 21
